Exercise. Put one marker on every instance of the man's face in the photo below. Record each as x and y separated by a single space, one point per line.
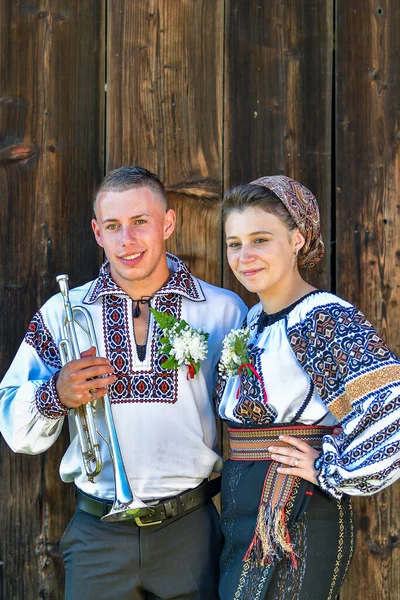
132 227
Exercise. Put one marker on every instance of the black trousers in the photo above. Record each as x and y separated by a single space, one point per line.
174 561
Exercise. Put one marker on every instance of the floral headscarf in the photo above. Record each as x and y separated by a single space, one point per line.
303 208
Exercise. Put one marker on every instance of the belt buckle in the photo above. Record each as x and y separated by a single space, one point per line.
140 523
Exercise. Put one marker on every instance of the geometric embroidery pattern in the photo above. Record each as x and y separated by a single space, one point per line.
373 442
358 378
370 484
219 389
47 401
280 493
251 408
181 282
153 385
336 344
40 338
377 409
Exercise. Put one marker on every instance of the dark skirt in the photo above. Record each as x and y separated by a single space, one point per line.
322 535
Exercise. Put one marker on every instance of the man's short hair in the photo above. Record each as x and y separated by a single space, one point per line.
127 178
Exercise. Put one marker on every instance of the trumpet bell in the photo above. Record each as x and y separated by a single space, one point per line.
122 511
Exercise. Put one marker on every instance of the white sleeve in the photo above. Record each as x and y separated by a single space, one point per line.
31 415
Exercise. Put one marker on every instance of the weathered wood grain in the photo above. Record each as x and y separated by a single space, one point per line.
368 238
51 156
208 94
278 101
164 112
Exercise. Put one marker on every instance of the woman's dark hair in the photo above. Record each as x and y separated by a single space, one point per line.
127 178
256 196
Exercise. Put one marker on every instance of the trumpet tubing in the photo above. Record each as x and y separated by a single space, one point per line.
85 424
126 504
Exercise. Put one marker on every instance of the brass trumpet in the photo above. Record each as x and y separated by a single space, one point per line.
126 504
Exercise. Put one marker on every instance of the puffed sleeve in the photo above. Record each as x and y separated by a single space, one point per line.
358 378
31 415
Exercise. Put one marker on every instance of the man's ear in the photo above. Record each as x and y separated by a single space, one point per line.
169 223
96 231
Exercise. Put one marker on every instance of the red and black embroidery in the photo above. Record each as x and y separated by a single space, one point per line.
138 384
40 338
182 282
47 401
153 385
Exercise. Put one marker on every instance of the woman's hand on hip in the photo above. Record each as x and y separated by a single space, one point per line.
297 458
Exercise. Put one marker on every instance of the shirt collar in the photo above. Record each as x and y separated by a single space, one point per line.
182 282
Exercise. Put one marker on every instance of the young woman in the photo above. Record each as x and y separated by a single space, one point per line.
311 397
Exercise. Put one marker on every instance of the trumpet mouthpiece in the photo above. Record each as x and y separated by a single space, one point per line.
62 281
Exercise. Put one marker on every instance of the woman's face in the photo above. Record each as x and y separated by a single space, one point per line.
261 251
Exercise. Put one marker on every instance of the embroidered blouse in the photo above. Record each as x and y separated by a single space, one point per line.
165 421
321 362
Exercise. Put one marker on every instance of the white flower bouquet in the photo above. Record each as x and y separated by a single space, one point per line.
183 344
235 352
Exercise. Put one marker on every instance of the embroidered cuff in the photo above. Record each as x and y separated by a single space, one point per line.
321 464
47 401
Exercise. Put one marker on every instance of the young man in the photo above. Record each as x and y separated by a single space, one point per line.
163 416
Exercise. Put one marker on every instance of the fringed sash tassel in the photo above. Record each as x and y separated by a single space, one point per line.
271 538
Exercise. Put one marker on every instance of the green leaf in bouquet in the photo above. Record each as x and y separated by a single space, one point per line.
170 363
164 320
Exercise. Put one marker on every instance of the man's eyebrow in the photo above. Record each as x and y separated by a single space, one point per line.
252 233
115 220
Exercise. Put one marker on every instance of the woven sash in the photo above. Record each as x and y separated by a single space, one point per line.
271 537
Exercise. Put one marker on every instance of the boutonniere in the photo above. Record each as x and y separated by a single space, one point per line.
183 344
235 352
235 357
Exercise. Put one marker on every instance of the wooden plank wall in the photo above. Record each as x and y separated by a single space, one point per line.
164 111
206 93
278 101
368 236
51 155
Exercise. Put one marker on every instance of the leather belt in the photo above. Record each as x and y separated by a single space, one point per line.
161 511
